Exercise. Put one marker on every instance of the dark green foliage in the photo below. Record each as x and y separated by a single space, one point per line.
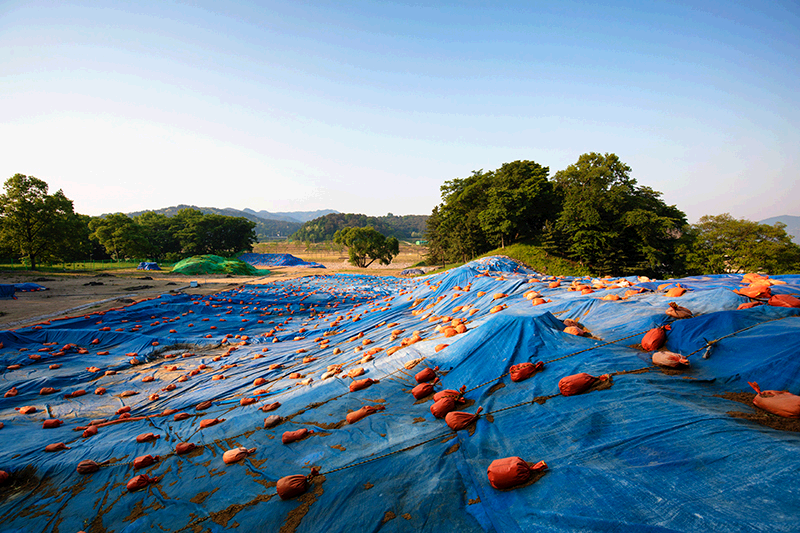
722 244
592 212
491 209
367 243
610 223
189 232
323 228
35 224
265 228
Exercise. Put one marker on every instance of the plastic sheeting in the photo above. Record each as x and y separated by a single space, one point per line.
29 287
259 260
650 450
7 291
146 265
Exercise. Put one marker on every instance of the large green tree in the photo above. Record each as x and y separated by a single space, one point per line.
612 225
491 209
367 244
35 224
213 234
722 244
120 235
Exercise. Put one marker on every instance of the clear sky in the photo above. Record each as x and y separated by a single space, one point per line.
368 107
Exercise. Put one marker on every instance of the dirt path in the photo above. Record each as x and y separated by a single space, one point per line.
71 293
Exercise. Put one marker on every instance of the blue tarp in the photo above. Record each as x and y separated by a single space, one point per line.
146 265
655 451
29 287
265 260
7 291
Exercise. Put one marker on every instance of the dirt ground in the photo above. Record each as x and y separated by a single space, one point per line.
71 293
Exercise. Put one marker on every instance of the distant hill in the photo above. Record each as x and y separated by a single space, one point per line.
291 216
265 228
323 228
792 225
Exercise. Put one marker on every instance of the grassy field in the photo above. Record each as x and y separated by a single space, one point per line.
333 253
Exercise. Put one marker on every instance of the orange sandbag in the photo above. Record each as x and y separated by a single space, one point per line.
202 406
88 467
365 411
3 474
184 447
784 300
27 410
748 305
270 407
237 454
442 406
272 421
455 394
51 423
509 472
523 371
89 432
655 338
578 383
292 436
426 374
424 390
208 422
56 447
143 461
670 359
11 392
458 420
360 384
247 401
575 330
147 437
778 402
675 292
139 482
289 487
676 311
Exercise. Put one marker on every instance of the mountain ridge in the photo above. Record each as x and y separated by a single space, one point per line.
792 225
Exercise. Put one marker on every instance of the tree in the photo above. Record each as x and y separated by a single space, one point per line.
723 244
612 225
120 235
35 224
213 234
160 232
367 243
491 209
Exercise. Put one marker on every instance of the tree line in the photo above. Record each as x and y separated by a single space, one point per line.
323 229
44 227
594 213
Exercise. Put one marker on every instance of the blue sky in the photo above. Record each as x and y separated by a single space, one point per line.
369 107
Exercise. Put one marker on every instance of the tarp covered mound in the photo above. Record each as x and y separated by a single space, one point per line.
7 291
645 448
29 287
147 265
259 260
412 272
214 264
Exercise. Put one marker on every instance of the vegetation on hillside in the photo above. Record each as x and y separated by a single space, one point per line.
594 214
324 228
265 229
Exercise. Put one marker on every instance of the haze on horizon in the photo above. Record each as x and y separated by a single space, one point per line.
369 107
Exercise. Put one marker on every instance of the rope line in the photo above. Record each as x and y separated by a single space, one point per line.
371 459
709 344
